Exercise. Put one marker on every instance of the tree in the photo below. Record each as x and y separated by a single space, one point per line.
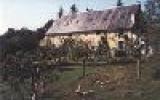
41 31
119 3
152 9
47 25
60 13
10 32
22 40
74 9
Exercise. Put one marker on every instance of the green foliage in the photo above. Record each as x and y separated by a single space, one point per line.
152 9
18 50
23 39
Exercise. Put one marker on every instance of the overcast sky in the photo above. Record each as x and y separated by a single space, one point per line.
34 13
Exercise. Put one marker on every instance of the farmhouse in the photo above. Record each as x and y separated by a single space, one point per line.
118 26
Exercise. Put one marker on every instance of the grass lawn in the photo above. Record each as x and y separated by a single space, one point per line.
144 89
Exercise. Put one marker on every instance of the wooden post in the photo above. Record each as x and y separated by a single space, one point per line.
84 67
138 64
138 69
33 85
35 78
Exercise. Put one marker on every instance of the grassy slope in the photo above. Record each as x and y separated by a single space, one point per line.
144 89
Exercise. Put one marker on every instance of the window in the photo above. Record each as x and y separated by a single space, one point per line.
133 18
120 44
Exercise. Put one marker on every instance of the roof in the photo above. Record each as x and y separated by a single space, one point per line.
109 20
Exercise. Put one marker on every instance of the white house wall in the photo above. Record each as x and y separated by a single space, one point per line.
90 39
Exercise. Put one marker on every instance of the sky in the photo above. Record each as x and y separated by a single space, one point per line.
35 13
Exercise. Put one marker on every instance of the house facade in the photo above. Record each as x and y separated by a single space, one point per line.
119 26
